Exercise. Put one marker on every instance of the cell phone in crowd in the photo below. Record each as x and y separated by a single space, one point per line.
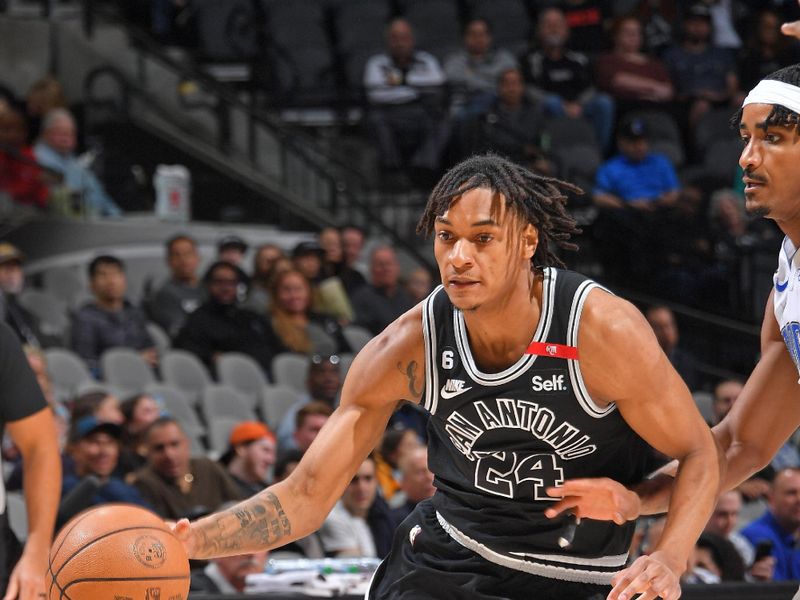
763 549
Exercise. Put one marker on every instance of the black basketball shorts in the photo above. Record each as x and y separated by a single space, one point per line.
425 563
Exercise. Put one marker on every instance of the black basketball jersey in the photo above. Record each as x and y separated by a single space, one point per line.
498 440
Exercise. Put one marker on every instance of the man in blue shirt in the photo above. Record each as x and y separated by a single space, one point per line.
781 525
632 191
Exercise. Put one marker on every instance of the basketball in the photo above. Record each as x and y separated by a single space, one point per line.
117 551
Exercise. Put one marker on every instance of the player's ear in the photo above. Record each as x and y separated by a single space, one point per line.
530 240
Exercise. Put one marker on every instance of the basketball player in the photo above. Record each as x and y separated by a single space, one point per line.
767 410
532 374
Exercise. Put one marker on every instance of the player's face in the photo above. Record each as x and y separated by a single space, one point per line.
769 159
479 251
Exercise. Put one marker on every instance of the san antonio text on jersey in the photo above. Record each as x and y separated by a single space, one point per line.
498 440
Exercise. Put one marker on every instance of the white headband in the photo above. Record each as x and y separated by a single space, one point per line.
775 92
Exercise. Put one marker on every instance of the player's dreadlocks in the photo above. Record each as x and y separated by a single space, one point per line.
539 200
780 115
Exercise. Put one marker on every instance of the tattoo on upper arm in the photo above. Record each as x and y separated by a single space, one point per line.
410 371
256 524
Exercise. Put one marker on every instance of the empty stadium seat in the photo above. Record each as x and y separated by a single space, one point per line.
186 372
276 401
436 23
227 30
713 125
225 401
722 157
65 283
67 372
160 338
291 370
126 370
359 27
178 406
356 336
219 432
48 309
244 374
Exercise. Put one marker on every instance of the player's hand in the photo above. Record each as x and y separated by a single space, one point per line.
601 498
791 29
27 578
651 576
185 534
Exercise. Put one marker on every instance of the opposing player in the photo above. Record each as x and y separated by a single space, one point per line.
532 374
767 410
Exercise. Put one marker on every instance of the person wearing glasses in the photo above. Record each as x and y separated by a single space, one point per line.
221 325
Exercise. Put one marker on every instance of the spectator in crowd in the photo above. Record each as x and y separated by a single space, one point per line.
139 412
99 404
714 560
231 249
419 284
220 325
416 483
724 521
182 293
780 524
704 75
405 89
766 50
308 422
264 260
12 281
384 299
397 443
298 327
56 151
323 384
563 78
633 190
110 320
21 177
45 95
472 73
586 20
251 454
330 240
662 320
631 77
511 125
94 446
227 575
175 484
345 531
287 461
328 295
352 245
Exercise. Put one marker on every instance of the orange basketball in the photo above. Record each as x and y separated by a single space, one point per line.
118 552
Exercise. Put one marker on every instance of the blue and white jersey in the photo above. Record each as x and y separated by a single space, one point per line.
787 300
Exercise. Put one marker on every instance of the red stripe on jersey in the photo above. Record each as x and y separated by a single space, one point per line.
554 350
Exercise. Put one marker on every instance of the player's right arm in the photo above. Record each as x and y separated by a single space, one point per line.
389 369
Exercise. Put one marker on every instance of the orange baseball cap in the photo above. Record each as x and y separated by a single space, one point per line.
249 431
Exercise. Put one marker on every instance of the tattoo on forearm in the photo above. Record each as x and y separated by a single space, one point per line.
410 371
256 524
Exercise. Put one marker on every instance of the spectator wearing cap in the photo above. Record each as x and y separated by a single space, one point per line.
632 189
703 74
328 295
221 325
94 447
173 482
231 249
183 292
384 299
110 320
251 454
323 384
56 151
12 281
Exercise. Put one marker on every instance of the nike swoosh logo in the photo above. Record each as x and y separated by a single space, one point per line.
447 395
781 286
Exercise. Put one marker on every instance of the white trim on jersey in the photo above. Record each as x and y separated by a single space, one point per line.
431 400
540 569
526 360
573 366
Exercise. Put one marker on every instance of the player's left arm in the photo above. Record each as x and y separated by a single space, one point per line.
622 362
37 440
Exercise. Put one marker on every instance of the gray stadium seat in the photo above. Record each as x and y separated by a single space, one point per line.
356 336
244 374
291 370
17 515
704 401
345 360
722 157
436 23
713 125
126 370
359 27
219 432
177 405
186 372
160 338
276 401
226 29
50 310
65 283
67 371
224 401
